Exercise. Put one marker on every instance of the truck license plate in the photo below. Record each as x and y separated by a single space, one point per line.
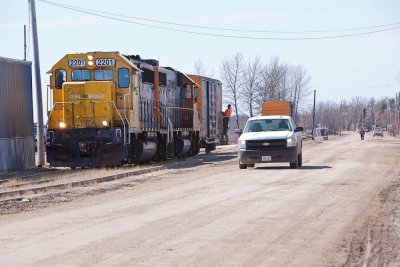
266 158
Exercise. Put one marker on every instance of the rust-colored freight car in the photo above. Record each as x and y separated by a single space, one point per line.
208 97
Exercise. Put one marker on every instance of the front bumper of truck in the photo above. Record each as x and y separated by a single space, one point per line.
287 154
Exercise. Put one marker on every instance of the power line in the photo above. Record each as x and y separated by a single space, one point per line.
218 28
80 10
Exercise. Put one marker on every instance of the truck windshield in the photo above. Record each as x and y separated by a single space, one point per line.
267 125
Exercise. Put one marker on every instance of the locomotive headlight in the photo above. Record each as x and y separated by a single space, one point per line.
105 123
90 63
90 57
61 124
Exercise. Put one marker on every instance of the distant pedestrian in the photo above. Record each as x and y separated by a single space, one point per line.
362 133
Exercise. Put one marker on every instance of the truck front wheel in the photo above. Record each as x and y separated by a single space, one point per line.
242 166
295 164
300 159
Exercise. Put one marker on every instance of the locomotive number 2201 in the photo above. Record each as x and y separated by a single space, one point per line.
105 62
76 62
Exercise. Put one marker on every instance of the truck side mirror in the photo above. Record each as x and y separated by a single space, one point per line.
238 131
299 129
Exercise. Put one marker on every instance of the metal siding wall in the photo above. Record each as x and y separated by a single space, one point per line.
16 115
173 96
205 111
17 153
213 109
218 106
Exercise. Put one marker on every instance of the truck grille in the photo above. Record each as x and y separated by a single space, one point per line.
265 144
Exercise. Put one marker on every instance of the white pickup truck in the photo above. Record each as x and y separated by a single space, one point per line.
270 139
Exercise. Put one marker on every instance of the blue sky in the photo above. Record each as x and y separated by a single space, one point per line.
340 68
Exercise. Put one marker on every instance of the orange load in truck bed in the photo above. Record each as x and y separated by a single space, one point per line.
276 108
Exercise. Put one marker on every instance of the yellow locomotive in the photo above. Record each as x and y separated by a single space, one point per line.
109 109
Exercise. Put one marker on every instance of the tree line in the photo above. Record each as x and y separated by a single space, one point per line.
249 82
357 112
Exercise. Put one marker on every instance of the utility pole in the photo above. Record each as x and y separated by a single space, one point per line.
395 116
390 114
40 130
398 113
341 115
313 117
24 42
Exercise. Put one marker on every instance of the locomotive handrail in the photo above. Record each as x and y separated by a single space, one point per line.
127 121
170 129
119 114
176 115
181 109
169 136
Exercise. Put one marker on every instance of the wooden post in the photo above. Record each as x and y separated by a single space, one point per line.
313 117
25 42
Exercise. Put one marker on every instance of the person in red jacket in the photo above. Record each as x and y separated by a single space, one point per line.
227 115
362 133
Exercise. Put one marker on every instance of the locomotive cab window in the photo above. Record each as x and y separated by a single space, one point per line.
196 91
123 78
81 75
103 75
61 77
187 89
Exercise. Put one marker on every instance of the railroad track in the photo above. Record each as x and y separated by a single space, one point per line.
37 187
29 186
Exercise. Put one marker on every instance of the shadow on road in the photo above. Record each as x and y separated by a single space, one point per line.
301 168
202 159
315 167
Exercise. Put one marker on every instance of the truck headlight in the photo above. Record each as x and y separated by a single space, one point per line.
241 144
291 142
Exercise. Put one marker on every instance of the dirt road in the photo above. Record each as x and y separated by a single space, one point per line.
328 213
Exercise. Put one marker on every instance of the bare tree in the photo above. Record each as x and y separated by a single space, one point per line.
231 71
255 83
199 68
250 84
358 112
300 86
272 77
382 110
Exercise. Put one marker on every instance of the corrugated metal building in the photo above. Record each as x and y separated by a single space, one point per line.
16 115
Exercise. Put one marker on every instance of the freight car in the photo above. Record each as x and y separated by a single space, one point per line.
109 109
208 99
